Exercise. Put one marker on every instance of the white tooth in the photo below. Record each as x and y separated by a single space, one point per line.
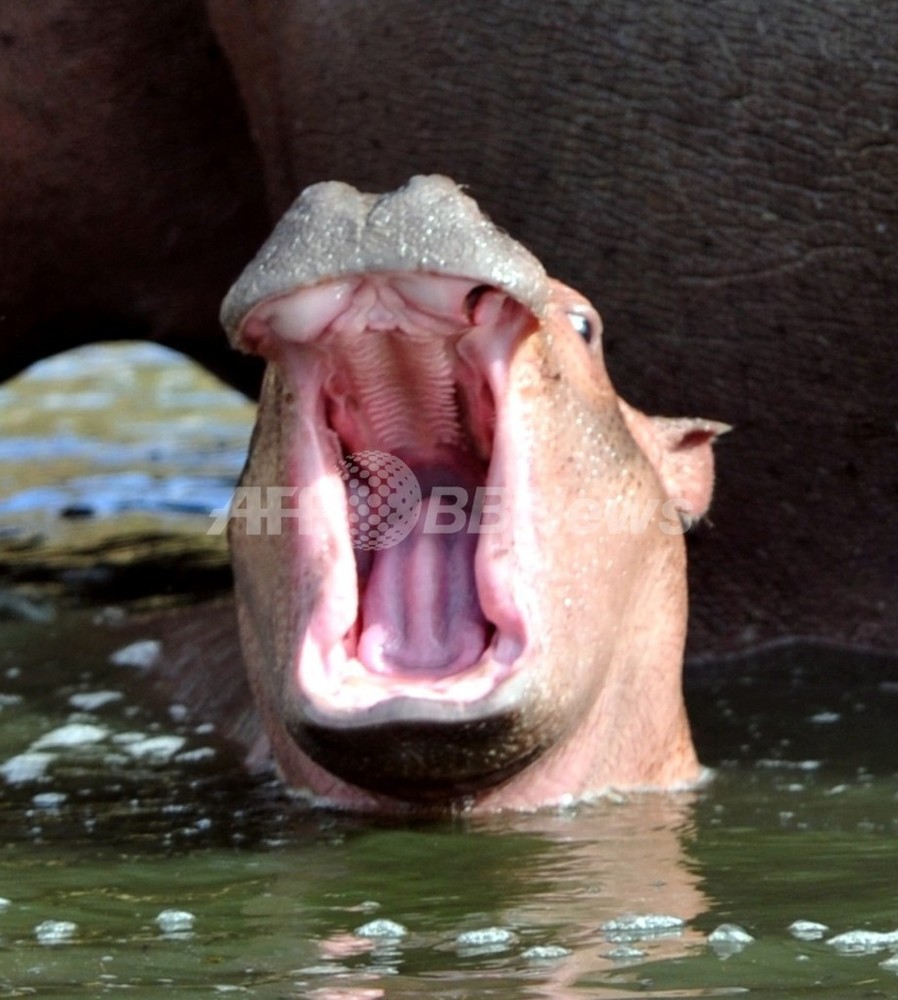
304 315
435 294
489 308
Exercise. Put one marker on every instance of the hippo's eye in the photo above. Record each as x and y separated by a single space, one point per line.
583 325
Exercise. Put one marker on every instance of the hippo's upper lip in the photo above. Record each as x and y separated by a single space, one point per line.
413 366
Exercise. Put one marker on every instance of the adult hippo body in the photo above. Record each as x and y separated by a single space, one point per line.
128 192
722 180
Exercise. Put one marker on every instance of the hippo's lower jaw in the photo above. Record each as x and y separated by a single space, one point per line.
429 632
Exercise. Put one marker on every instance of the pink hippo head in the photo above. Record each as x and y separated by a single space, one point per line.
459 559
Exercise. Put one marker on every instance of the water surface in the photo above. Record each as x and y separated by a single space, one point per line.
146 812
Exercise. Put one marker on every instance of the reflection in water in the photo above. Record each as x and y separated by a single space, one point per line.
503 901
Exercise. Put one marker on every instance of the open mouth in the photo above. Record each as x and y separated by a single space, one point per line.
398 374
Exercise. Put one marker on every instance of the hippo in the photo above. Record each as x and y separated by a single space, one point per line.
722 178
524 659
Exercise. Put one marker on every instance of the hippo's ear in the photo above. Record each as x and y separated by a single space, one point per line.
684 461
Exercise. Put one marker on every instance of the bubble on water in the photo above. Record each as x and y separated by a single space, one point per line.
891 964
381 928
807 930
391 495
484 940
642 926
75 734
175 921
4 902
142 654
728 939
863 941
545 953
55 931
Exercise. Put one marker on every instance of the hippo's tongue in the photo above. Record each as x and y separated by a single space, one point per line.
420 612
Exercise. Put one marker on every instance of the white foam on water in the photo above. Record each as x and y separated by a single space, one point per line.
807 930
381 928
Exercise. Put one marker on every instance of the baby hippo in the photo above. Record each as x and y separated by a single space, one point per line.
459 555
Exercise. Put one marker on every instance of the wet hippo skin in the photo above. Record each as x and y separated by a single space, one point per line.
523 661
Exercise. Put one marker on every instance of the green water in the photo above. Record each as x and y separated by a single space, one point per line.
141 810
279 897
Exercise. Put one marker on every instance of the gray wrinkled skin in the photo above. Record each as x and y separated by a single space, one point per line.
333 229
722 178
